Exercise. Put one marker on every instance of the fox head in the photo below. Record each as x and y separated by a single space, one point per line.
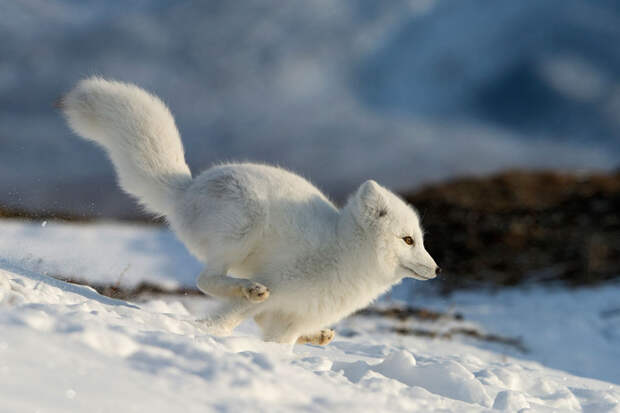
395 226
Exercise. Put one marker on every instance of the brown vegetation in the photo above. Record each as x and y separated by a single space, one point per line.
521 226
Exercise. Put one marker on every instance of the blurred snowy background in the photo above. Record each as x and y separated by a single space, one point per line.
407 92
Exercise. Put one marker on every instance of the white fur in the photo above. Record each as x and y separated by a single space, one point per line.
275 247
139 134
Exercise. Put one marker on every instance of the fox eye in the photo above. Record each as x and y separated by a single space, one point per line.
408 240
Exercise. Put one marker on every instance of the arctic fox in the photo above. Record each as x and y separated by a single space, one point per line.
274 246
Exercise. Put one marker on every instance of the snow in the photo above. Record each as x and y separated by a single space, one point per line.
574 330
64 347
107 253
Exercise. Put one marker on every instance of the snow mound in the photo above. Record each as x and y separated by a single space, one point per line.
446 378
65 348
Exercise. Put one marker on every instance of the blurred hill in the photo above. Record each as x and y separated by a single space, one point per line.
405 92
518 226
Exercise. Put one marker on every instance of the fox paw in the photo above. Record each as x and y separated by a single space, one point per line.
322 338
256 293
325 337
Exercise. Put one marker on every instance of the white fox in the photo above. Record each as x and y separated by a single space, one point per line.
274 246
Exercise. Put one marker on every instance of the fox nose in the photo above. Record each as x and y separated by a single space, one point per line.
438 270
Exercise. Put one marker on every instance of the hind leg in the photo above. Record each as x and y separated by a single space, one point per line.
223 222
278 327
322 338
215 282
229 315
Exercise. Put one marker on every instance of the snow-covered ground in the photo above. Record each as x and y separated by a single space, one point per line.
65 348
109 253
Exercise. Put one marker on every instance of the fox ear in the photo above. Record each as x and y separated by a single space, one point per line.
369 203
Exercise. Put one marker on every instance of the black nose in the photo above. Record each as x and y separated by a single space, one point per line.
438 271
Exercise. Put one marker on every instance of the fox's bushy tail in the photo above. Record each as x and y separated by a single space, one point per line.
139 134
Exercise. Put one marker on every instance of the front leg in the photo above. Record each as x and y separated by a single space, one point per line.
322 338
218 284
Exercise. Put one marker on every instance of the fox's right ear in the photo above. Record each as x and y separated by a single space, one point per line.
368 203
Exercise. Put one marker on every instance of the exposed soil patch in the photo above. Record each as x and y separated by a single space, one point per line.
142 289
423 322
406 313
516 343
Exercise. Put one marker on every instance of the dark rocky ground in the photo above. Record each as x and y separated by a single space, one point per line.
508 229
518 226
